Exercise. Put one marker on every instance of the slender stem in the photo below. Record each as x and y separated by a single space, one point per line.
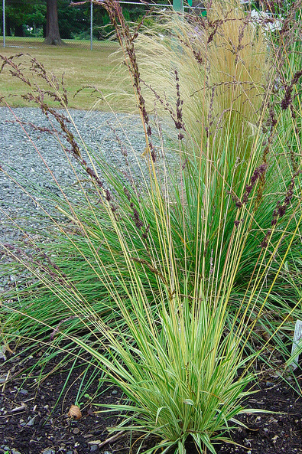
91 24
3 15
111 439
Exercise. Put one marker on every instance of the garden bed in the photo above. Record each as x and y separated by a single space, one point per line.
43 425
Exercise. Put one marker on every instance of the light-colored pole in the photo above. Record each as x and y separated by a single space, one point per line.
3 15
91 24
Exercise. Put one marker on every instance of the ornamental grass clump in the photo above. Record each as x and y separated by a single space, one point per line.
176 279
223 64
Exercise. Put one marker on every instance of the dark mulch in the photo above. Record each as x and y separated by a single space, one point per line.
41 426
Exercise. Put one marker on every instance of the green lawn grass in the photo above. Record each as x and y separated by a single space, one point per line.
80 66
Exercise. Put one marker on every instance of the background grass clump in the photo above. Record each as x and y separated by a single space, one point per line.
176 281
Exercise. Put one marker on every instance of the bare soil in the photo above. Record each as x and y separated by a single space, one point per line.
34 420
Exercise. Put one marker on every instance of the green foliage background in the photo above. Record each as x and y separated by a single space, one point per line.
29 19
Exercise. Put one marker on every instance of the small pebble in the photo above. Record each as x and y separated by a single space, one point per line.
23 391
114 392
93 448
31 421
76 430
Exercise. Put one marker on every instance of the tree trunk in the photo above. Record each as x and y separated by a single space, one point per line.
19 30
8 28
52 24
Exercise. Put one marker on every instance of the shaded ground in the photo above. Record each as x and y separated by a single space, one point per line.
30 424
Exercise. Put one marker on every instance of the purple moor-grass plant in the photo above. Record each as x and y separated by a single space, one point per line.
193 271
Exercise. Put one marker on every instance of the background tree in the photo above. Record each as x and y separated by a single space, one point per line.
56 19
15 14
74 22
52 24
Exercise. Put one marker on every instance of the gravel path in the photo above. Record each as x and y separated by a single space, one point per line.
19 158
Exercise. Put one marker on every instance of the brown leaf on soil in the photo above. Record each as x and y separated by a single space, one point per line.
74 412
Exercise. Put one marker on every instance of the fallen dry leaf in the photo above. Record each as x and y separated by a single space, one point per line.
74 412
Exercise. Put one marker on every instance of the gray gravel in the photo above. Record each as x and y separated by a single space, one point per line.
20 159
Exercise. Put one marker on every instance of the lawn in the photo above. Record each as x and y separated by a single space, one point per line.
80 66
